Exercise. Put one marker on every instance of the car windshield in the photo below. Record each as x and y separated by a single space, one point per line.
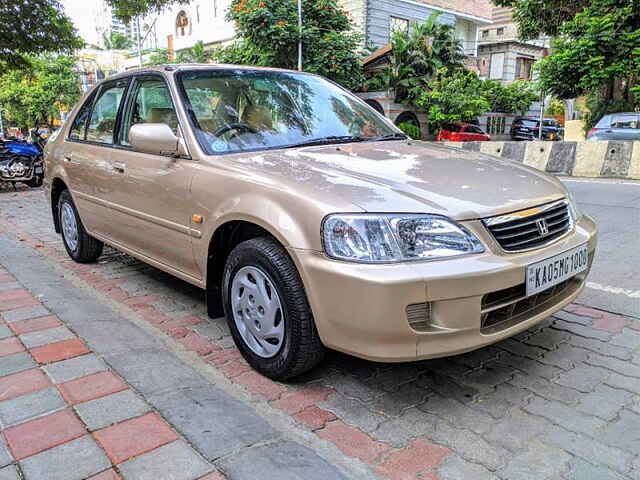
243 110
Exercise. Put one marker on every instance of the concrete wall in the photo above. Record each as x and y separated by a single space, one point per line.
614 159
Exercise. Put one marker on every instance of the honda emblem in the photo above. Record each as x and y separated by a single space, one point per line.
543 228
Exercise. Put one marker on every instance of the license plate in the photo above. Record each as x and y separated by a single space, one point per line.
547 273
38 169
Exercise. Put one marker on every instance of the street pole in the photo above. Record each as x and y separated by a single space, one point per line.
299 35
542 96
139 41
1 125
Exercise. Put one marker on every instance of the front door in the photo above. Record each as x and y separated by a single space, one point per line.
151 194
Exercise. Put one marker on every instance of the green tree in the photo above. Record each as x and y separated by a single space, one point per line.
516 97
34 27
126 10
159 56
195 54
597 45
417 56
34 96
116 41
453 97
268 35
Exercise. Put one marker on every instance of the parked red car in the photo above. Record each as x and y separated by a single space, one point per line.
462 132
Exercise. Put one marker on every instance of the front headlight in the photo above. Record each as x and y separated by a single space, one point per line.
395 238
575 210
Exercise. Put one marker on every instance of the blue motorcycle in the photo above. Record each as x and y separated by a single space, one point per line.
22 162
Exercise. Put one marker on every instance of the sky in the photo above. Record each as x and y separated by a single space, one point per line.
82 13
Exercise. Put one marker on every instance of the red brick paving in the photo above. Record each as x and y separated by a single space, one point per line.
256 383
299 400
198 344
22 383
90 387
108 475
13 294
34 324
352 441
417 460
135 437
6 278
54 352
213 476
9 346
314 417
43 433
610 323
7 305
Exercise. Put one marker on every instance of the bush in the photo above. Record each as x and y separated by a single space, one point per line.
516 97
411 130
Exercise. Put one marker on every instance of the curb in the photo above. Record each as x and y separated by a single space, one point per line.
593 159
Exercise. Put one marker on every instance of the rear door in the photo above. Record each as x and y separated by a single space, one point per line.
624 127
86 154
151 192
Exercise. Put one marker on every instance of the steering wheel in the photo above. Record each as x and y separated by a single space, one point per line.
235 126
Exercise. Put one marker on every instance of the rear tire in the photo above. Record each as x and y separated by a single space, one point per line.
297 347
80 246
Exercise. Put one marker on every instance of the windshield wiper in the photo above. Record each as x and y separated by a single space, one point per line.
330 140
391 136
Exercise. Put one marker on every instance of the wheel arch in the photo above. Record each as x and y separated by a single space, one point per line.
57 187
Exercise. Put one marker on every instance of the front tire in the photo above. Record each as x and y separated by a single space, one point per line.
268 312
80 246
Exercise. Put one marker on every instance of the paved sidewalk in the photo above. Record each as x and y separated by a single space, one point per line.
560 401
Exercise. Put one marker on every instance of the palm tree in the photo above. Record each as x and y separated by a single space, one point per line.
116 41
419 54
195 54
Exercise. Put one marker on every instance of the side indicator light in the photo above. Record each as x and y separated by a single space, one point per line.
197 218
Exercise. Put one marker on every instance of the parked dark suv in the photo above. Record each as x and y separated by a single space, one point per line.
527 128
617 126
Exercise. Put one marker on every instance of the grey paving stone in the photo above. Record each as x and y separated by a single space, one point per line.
488 378
169 462
538 462
604 402
546 389
567 417
32 405
589 449
74 460
548 338
458 414
622 367
624 432
25 313
572 317
583 378
582 470
603 348
565 357
16 363
411 424
517 429
5 456
455 468
582 330
5 332
9 286
9 473
111 409
213 329
519 348
499 402
350 387
282 460
74 368
625 383
354 412
236 424
470 446
43 337
448 387
627 338
392 404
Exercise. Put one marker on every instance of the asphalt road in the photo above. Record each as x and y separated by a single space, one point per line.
614 283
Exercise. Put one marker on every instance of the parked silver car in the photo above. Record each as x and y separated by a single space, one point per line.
617 126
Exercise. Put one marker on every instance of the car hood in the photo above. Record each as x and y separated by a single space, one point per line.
408 177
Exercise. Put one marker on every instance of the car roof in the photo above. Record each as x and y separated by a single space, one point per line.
634 114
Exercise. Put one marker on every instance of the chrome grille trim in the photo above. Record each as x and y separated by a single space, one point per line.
519 231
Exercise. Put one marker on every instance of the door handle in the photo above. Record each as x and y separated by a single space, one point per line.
67 158
119 167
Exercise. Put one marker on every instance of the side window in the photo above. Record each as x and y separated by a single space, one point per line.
624 121
80 122
151 103
105 111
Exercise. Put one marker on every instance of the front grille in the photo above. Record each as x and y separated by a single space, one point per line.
531 228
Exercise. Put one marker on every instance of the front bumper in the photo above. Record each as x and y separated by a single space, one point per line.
362 309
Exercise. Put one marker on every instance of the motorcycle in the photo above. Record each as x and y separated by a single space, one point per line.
21 161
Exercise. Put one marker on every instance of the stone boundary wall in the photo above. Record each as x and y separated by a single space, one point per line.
609 159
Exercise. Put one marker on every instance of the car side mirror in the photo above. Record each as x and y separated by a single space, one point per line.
156 138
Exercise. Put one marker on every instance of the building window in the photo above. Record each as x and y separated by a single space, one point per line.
182 24
524 66
485 34
500 31
215 8
497 66
397 24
